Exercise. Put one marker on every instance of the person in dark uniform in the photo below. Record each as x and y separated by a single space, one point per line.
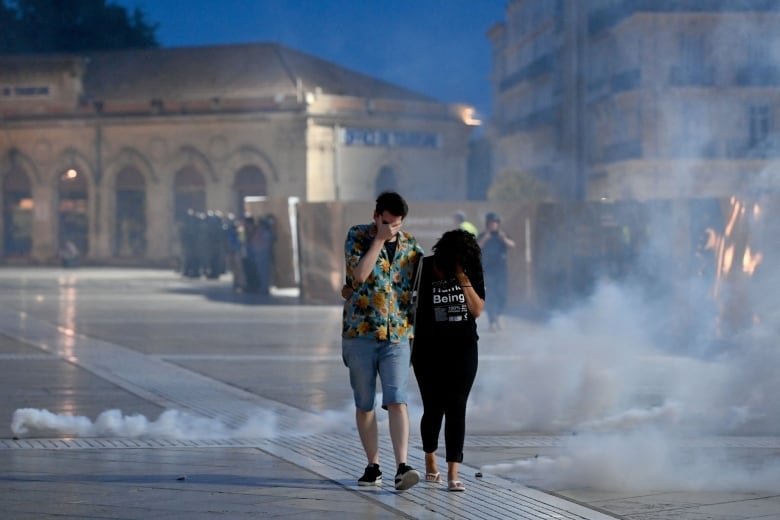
495 244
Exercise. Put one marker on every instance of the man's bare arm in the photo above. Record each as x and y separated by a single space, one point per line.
384 233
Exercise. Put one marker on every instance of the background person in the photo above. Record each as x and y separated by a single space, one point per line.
263 241
462 223
495 244
380 263
450 297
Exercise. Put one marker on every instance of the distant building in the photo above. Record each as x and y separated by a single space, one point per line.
638 99
109 150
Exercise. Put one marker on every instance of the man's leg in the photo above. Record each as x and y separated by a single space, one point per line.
405 476
398 416
359 356
394 362
366 425
394 373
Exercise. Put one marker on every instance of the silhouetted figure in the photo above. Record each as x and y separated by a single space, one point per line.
215 246
495 244
189 239
251 282
233 251
263 245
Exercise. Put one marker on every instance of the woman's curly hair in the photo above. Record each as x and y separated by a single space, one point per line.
458 247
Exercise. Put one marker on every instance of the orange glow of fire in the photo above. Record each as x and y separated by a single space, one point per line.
750 261
734 246
735 211
728 259
725 247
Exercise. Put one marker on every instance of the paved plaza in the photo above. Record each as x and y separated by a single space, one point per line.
137 394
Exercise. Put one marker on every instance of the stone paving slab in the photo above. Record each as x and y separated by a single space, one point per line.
331 456
170 483
115 328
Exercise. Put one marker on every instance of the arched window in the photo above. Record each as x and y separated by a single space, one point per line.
249 182
130 222
73 210
17 213
189 192
386 180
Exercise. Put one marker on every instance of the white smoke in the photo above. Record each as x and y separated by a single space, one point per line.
629 409
642 461
171 424
176 424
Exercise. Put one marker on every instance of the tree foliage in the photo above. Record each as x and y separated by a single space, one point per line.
53 26
513 185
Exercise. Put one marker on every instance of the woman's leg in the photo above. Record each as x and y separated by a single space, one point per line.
461 381
431 390
431 467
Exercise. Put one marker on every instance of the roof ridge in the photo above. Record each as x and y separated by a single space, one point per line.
294 78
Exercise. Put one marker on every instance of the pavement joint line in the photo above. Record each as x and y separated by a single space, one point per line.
173 386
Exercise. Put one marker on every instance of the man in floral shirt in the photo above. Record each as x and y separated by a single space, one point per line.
381 261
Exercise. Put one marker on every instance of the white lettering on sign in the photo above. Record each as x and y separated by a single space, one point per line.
389 138
23 91
449 298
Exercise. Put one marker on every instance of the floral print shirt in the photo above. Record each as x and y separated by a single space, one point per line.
380 306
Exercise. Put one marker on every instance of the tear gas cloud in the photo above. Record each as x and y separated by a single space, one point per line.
180 425
629 413
171 424
635 375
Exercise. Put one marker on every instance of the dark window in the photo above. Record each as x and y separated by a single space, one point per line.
130 231
760 124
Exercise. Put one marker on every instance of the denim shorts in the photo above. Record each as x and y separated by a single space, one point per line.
366 358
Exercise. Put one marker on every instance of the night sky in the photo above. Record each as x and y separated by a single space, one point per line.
435 47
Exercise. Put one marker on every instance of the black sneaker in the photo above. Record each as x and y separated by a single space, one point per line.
371 477
406 477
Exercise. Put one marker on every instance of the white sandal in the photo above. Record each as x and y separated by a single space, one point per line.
456 485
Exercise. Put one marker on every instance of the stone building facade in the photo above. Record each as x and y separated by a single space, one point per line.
638 99
109 150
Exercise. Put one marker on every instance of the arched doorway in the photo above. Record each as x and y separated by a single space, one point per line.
73 210
249 182
386 180
17 214
130 222
189 192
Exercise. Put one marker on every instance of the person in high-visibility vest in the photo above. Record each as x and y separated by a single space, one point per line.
465 225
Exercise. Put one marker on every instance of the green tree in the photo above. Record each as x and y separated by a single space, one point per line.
54 26
518 186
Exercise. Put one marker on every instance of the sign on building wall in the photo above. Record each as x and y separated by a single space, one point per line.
389 138
8 92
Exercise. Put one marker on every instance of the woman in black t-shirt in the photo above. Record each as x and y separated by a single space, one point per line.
451 295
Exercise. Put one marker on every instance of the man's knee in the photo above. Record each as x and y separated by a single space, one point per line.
364 414
396 407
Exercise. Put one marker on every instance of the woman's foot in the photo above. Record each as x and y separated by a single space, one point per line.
431 469
456 485
432 476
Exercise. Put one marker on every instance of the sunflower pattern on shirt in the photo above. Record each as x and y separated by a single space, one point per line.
380 306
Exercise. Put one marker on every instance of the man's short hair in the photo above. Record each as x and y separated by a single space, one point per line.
393 203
